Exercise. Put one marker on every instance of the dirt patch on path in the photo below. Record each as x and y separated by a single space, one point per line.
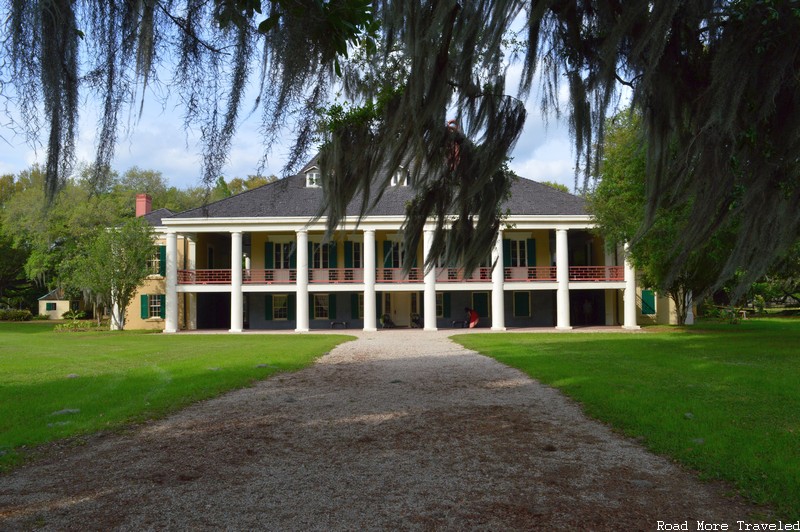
397 430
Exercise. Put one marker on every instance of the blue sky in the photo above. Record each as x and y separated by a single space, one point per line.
157 141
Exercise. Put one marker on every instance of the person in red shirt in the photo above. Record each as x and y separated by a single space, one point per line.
472 317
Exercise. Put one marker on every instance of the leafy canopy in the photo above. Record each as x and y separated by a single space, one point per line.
715 82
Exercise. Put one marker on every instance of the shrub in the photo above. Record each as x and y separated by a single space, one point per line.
41 317
73 315
15 315
81 326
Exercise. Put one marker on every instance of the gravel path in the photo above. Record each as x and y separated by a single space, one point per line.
397 430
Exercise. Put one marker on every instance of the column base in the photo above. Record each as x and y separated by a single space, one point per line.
431 329
234 330
170 331
301 330
567 328
369 329
498 328
631 327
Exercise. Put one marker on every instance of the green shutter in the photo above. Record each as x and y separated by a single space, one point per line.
332 258
291 312
268 307
446 304
506 253
269 255
522 304
531 251
293 257
379 304
353 305
162 260
648 302
332 306
348 254
387 254
311 306
163 312
145 303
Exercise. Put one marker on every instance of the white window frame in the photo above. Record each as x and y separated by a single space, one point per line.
519 253
154 262
321 255
400 178
153 306
358 254
280 307
313 179
280 255
321 302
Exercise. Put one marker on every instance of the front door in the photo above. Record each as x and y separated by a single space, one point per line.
401 308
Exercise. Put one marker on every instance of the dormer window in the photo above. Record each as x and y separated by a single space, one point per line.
313 179
400 177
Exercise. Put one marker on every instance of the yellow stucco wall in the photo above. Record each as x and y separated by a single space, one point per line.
62 306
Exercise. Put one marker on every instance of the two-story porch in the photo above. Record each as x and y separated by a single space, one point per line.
295 280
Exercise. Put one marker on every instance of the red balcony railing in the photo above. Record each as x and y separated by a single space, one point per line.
204 277
456 275
336 275
272 276
530 273
596 273
397 275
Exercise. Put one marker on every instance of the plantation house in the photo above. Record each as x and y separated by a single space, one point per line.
255 261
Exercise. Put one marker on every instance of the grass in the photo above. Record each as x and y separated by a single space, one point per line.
57 385
722 399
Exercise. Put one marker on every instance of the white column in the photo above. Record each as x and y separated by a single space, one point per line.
562 279
171 312
689 309
302 281
629 299
610 295
498 278
191 297
429 299
237 304
369 281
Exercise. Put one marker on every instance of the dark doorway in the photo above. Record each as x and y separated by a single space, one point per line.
214 311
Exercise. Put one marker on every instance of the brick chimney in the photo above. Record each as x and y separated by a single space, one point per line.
144 204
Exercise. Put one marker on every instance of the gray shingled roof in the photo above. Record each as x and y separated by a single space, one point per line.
291 197
154 218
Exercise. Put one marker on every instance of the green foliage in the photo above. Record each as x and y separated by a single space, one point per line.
113 379
557 186
15 315
111 265
738 383
619 203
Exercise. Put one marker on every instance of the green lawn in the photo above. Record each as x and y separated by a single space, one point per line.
54 385
722 399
